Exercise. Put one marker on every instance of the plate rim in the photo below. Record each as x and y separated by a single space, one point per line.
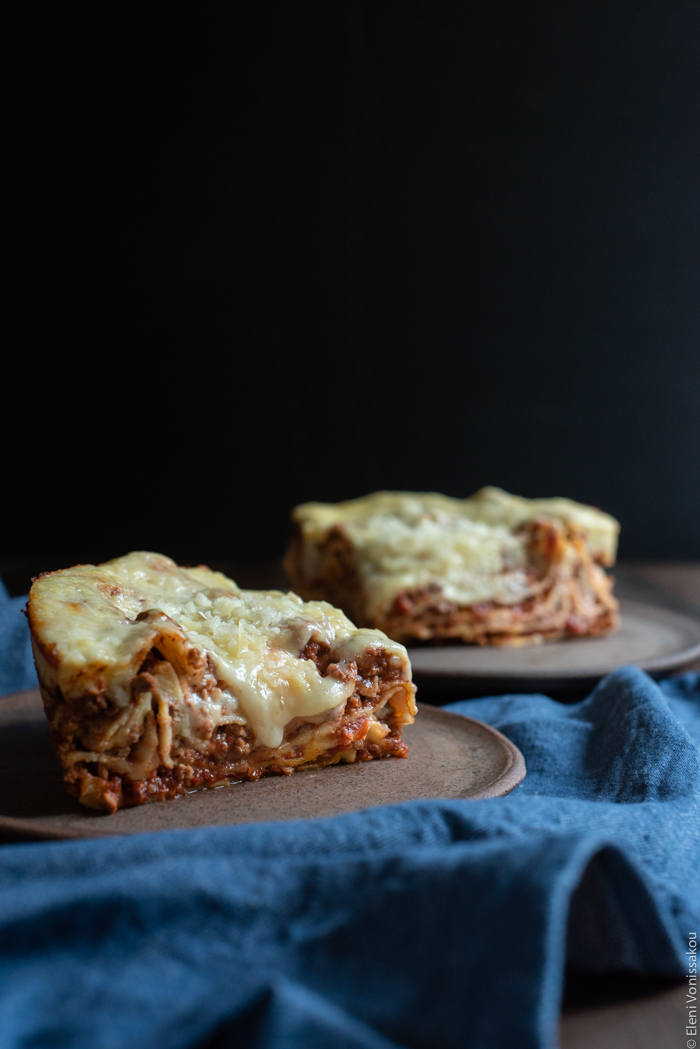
658 664
515 770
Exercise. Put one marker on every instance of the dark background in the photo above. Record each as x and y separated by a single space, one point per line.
265 254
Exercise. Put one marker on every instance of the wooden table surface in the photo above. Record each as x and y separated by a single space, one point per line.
625 1012
605 1011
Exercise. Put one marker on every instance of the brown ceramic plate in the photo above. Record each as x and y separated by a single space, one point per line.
655 639
451 757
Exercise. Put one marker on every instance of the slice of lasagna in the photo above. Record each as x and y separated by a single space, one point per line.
493 569
157 680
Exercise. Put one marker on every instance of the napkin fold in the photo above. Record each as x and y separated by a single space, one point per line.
431 923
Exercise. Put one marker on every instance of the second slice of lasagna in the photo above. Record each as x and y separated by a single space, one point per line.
157 680
494 569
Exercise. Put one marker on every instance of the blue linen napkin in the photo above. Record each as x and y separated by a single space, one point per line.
440 923
16 664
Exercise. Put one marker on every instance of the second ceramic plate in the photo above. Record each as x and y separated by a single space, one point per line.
655 639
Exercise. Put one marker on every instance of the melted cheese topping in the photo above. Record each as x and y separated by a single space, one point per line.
101 621
468 547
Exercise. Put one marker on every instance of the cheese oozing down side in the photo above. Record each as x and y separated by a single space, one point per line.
98 623
470 548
